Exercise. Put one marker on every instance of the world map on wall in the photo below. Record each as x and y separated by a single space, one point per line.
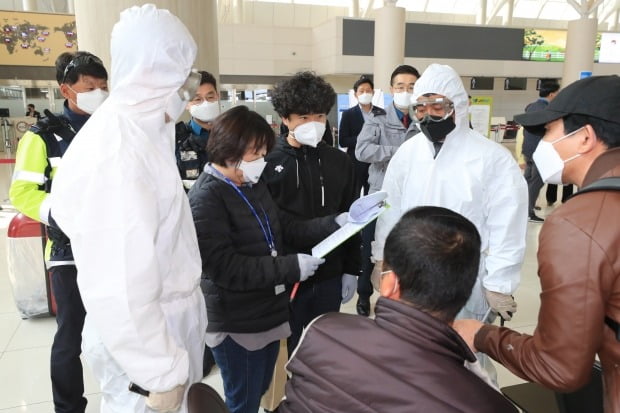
36 38
28 36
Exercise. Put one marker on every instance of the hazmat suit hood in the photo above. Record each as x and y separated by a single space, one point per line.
472 175
148 82
443 80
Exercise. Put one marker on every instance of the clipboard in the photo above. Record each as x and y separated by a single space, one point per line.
362 212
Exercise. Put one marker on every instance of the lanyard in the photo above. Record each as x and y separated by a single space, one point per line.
266 231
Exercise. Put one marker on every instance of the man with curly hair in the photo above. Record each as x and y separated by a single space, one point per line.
308 178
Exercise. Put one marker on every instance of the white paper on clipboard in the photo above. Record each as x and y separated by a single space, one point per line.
362 212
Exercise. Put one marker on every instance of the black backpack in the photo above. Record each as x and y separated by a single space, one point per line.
605 184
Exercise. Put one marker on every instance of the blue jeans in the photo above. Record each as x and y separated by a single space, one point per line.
246 374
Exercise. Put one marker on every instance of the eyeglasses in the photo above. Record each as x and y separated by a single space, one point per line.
81 60
435 109
210 97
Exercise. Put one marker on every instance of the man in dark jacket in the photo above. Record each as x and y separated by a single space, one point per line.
411 359
32 112
578 253
548 90
351 125
309 179
191 137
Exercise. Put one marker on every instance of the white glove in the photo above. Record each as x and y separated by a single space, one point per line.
375 276
501 303
349 285
168 401
342 219
308 265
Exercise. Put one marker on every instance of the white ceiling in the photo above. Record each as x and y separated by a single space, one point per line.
554 10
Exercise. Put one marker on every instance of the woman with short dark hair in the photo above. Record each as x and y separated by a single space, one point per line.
245 274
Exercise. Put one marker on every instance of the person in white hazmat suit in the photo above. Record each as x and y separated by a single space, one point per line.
452 166
118 196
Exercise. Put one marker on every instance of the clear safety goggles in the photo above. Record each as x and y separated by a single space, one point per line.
189 88
432 109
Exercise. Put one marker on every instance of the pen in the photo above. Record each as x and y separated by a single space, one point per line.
294 291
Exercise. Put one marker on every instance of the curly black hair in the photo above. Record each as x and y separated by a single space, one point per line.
302 94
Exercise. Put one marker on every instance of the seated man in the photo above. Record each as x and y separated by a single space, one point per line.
408 359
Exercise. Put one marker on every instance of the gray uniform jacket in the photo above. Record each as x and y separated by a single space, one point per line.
378 141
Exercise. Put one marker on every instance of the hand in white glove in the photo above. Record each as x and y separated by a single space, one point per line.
501 303
308 265
349 285
375 276
342 219
168 401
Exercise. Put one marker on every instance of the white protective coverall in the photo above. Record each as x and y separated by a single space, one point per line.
119 198
471 175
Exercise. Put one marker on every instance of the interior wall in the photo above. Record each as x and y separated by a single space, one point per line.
264 50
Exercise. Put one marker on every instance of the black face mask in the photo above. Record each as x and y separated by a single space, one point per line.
437 131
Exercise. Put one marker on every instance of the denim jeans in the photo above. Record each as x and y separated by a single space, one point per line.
246 374
66 366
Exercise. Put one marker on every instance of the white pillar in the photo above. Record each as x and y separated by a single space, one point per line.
389 43
354 8
580 43
507 21
481 16
95 19
237 9
29 5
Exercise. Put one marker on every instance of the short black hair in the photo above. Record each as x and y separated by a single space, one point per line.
302 94
234 131
31 105
435 253
608 132
547 87
70 66
404 69
206 77
363 79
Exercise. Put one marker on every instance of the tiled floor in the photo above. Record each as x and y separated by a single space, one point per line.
25 344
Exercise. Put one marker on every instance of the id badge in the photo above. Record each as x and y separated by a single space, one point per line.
279 289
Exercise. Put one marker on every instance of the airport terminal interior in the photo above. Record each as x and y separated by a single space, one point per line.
259 42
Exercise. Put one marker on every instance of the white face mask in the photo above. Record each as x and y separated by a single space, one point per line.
548 161
206 111
309 133
364 98
91 100
402 99
252 170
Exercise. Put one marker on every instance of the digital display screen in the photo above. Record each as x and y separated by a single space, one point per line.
610 48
